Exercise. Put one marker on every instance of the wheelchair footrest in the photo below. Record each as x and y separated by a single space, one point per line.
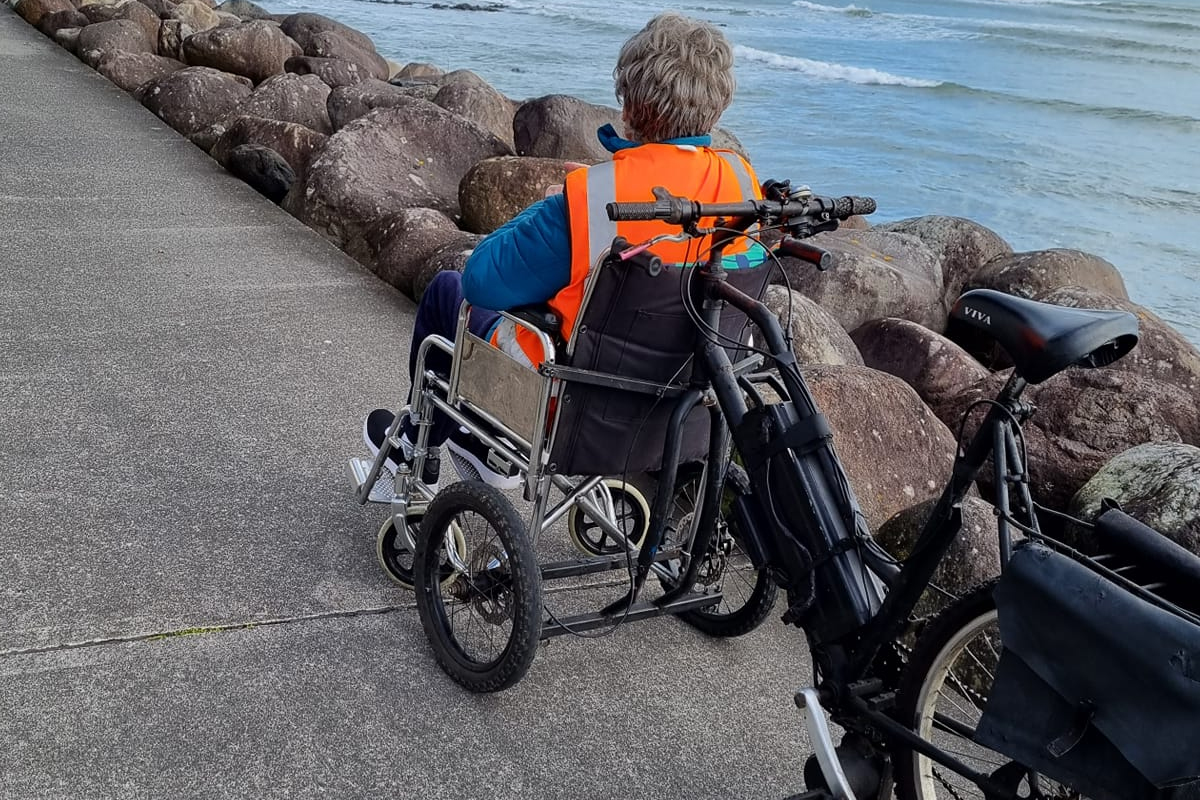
815 794
384 489
584 622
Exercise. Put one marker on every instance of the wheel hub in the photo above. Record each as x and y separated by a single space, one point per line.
489 591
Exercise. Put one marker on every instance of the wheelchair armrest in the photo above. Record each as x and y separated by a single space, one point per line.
541 317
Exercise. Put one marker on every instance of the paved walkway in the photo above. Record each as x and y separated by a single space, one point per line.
189 600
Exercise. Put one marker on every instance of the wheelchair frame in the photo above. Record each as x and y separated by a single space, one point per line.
521 428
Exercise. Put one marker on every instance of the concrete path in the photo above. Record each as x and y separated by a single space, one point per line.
189 600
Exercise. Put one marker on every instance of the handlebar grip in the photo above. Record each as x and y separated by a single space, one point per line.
819 257
630 212
844 207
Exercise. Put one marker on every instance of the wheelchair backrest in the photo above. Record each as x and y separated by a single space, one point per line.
635 325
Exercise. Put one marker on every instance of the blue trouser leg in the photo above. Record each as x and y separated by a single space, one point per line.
437 314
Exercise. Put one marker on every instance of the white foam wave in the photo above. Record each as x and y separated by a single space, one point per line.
823 70
850 9
1037 2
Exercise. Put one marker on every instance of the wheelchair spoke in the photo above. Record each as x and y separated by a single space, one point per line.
477 601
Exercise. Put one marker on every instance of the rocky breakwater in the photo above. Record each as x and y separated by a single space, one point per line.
406 167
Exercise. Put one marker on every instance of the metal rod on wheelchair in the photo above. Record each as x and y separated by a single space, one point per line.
663 499
364 491
536 481
706 522
464 316
571 495
492 421
451 411
425 379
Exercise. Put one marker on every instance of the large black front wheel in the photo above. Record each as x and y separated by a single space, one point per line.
942 695
479 592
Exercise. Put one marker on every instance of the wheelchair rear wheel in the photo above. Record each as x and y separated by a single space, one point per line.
747 594
481 605
632 517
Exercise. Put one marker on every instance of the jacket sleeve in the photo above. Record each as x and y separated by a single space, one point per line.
528 260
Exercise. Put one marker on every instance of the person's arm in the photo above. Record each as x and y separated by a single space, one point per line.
526 261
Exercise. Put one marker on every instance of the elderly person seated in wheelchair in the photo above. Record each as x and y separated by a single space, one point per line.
674 79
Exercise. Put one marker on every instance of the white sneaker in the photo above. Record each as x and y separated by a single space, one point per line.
475 461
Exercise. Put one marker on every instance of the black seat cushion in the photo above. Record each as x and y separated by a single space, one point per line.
1044 339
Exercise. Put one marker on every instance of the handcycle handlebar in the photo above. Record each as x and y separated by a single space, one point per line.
682 211
819 257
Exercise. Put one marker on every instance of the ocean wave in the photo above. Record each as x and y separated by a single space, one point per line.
1093 40
823 70
1138 15
1116 113
1036 2
851 10
1103 5
939 26
1077 51
734 10
599 19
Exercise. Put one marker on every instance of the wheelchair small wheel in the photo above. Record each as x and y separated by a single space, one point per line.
395 551
747 594
633 517
481 607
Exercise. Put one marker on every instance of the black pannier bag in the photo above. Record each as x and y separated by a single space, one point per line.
636 325
1096 687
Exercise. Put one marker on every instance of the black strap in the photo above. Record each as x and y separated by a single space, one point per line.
1079 725
594 378
805 436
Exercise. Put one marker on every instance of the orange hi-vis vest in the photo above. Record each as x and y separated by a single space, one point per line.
697 173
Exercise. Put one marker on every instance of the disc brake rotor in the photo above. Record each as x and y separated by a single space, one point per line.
716 559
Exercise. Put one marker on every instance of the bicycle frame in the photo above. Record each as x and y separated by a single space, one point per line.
843 663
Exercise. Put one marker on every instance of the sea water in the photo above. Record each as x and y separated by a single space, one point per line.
1056 123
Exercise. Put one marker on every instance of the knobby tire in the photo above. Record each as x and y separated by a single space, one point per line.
519 573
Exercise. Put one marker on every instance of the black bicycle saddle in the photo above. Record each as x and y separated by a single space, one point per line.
1044 339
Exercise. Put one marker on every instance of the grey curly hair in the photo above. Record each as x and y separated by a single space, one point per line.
674 78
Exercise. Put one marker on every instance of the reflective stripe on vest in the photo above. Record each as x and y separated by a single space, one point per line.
601 183
749 186
504 337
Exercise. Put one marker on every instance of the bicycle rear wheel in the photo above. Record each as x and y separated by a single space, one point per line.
942 696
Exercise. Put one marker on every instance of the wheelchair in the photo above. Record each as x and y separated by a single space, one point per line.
608 432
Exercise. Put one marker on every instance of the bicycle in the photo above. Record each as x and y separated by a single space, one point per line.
801 523
797 520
